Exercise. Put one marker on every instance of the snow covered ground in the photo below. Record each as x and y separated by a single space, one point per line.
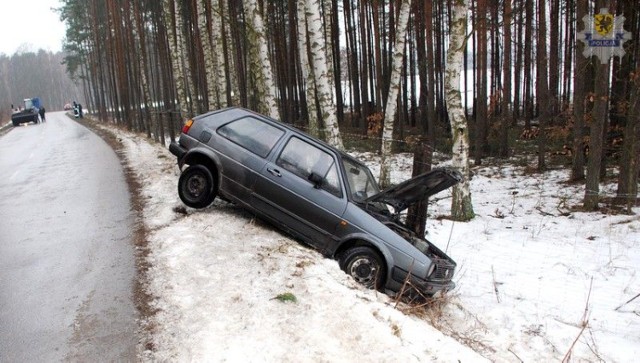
533 278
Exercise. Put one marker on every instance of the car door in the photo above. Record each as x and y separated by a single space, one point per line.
243 146
286 193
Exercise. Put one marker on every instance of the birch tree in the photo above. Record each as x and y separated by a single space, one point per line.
321 75
307 75
461 207
210 68
217 33
394 90
144 66
260 68
174 26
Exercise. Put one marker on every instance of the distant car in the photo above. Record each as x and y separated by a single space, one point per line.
317 193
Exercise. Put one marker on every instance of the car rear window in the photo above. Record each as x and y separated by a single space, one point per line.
254 135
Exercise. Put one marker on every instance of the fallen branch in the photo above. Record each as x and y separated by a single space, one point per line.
512 352
539 209
495 284
585 324
630 300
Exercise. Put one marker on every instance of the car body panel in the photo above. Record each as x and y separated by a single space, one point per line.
310 195
294 201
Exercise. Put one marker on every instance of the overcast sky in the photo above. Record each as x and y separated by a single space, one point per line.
43 30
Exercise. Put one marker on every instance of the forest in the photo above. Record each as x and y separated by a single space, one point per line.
28 74
372 75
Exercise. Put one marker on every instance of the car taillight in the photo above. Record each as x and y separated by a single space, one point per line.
187 126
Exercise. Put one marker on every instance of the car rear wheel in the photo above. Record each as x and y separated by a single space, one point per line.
196 186
364 265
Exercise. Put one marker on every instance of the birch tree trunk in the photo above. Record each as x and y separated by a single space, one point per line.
226 60
307 74
321 74
394 90
260 69
327 15
207 48
461 207
175 44
144 63
217 32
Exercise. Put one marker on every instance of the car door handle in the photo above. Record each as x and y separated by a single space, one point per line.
274 172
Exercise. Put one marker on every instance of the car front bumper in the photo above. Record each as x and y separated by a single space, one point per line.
178 151
425 287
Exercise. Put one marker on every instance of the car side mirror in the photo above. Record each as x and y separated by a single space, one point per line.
316 180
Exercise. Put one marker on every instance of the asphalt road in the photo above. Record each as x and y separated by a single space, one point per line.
67 264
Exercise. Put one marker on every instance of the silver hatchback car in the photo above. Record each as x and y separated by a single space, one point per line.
318 194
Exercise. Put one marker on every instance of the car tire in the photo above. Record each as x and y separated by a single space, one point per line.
365 265
196 186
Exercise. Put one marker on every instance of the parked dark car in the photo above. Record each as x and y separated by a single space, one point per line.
317 193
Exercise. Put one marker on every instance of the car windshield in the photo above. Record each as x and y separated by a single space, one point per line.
362 185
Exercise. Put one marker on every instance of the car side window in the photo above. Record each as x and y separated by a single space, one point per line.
302 159
254 135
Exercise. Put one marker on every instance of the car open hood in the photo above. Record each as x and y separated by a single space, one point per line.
403 195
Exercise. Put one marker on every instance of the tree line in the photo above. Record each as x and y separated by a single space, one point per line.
331 67
28 74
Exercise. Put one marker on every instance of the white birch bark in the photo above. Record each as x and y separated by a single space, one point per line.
307 75
190 87
220 31
260 64
461 207
207 48
176 57
394 91
144 73
321 74
218 49
327 12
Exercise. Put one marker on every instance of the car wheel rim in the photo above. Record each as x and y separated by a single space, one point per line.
364 271
196 185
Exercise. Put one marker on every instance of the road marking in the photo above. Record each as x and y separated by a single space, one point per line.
14 174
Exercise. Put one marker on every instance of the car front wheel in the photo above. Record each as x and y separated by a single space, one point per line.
364 265
196 186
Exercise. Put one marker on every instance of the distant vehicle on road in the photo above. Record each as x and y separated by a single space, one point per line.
30 112
316 192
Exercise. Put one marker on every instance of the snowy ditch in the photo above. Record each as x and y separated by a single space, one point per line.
536 281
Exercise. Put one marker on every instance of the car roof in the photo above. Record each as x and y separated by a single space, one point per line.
238 112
